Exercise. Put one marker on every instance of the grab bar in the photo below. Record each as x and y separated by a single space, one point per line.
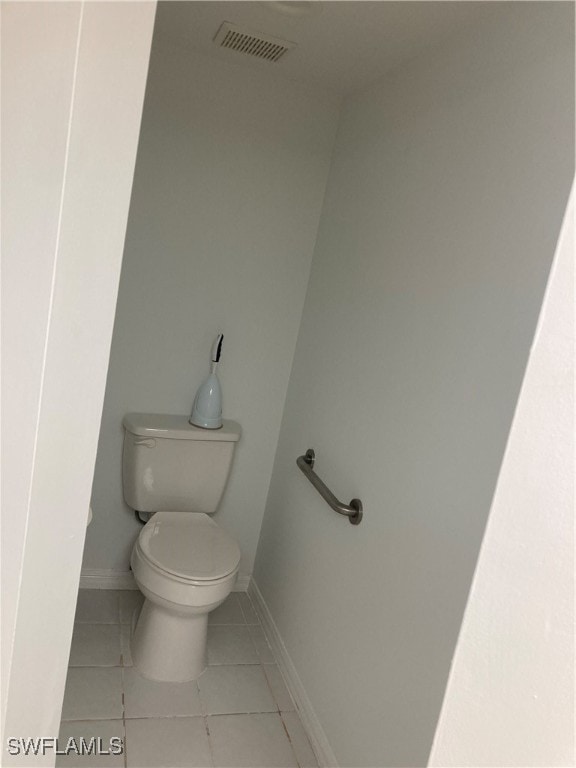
353 511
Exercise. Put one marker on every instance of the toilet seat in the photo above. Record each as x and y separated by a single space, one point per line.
190 546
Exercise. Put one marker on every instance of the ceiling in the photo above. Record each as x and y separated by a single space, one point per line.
342 45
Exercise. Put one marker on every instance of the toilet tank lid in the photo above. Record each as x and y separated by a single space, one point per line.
162 425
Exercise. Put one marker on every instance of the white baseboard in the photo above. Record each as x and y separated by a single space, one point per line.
308 717
98 578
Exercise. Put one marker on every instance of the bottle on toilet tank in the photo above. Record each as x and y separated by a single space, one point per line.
207 408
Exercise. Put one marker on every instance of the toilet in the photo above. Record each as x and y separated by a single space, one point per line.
184 564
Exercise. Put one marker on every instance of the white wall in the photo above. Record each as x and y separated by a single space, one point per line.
73 79
229 183
446 194
510 697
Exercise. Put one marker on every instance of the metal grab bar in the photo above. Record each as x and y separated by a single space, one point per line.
353 511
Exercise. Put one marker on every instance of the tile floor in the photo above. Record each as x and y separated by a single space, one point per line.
239 712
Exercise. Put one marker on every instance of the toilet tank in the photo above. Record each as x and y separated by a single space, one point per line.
168 464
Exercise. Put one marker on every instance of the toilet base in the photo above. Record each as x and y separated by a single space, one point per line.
167 646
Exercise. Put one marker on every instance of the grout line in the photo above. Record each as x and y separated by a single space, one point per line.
270 687
125 744
124 721
122 664
210 748
200 699
241 664
180 717
92 719
167 717
292 747
229 624
236 663
242 610
243 714
249 624
97 623
94 666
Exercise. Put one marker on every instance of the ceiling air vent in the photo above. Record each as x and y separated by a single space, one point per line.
251 43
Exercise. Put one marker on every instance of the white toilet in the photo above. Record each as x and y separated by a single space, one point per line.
183 562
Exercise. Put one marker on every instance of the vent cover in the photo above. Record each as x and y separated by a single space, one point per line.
251 43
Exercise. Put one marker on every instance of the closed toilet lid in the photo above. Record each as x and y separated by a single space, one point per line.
189 545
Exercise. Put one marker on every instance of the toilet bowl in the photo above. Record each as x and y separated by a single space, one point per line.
185 565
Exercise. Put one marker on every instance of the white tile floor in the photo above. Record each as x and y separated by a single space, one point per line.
239 713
